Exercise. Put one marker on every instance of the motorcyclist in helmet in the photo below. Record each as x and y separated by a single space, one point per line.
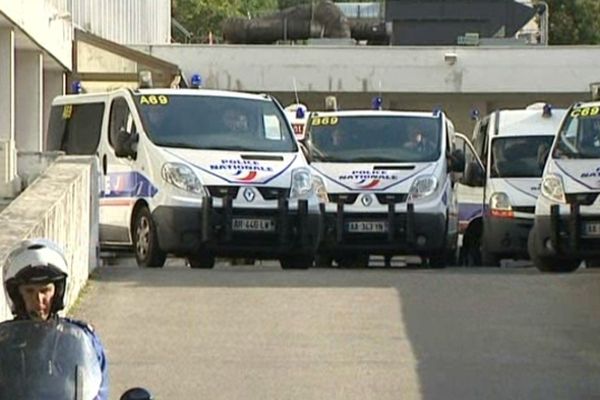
35 282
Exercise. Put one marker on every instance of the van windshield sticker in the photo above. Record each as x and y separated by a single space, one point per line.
585 112
67 111
153 100
317 121
272 129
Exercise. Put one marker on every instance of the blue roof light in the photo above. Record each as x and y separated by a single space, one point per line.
76 87
377 103
196 81
474 114
547 110
300 113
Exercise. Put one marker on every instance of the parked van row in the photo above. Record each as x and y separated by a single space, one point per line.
204 173
530 187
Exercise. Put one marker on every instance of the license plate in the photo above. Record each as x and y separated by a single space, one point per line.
591 229
253 225
368 226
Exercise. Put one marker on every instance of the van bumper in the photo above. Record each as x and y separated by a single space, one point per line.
186 230
506 237
563 234
407 233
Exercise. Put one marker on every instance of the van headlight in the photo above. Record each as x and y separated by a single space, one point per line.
182 177
320 189
553 188
422 187
302 183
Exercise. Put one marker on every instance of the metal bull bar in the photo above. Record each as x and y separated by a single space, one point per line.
573 227
391 219
209 225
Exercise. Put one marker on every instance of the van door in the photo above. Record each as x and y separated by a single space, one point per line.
470 197
120 182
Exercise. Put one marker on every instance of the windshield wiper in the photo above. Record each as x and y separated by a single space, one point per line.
377 159
177 144
330 159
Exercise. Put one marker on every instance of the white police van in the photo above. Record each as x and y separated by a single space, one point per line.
498 191
195 173
384 181
567 214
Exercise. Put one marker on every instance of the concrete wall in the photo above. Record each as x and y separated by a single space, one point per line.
388 69
409 78
47 26
60 205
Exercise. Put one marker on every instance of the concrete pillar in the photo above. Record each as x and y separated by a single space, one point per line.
8 159
28 100
54 85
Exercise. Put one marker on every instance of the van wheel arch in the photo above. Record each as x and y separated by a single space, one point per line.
136 208
146 247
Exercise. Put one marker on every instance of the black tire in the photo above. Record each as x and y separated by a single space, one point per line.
470 256
145 241
592 263
549 264
354 262
296 262
323 261
489 259
201 261
437 261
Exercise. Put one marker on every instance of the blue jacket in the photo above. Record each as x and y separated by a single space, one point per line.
89 331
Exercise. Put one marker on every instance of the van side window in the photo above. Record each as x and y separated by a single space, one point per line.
75 128
120 119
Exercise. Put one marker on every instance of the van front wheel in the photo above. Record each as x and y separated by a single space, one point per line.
145 241
201 261
296 262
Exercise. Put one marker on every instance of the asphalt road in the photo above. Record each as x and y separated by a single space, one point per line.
257 332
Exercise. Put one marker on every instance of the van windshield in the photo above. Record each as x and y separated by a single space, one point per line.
519 157
579 136
374 138
215 123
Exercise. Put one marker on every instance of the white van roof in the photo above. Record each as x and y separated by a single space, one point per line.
101 96
530 121
376 113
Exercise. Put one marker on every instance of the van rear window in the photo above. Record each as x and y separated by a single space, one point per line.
75 128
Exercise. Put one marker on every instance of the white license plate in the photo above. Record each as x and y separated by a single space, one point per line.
253 225
368 226
591 229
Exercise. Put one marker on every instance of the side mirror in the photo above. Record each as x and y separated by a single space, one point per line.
474 175
136 394
126 144
456 161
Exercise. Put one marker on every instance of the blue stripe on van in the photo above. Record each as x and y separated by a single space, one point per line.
127 184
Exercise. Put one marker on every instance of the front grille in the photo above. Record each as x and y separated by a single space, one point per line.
346 198
585 199
386 198
223 191
524 209
273 193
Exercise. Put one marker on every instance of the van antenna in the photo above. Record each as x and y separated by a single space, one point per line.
295 90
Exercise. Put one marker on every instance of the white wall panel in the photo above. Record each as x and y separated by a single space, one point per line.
125 21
